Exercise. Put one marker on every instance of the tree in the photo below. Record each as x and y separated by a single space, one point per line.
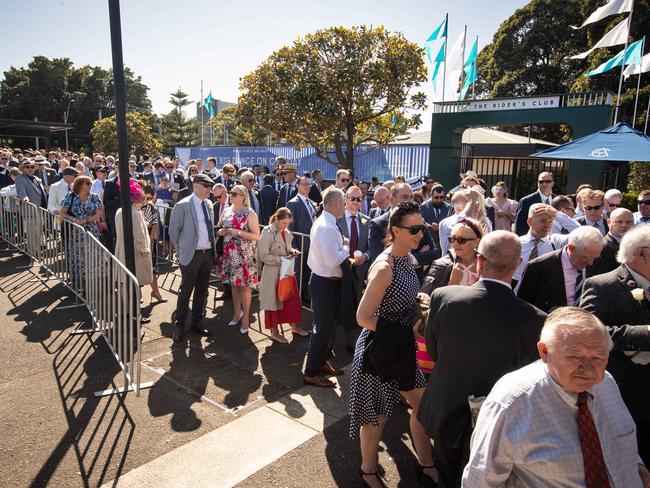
240 133
140 137
177 129
337 89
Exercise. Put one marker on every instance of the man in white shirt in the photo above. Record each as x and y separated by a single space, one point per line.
326 253
98 185
60 189
560 421
564 223
537 241
642 216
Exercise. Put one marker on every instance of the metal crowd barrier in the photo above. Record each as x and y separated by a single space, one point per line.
303 273
98 281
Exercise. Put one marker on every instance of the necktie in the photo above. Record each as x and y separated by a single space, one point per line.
592 453
535 251
354 234
310 209
208 225
579 282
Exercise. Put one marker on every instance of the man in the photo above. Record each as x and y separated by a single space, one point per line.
53 160
259 177
621 221
613 298
60 189
326 255
212 170
612 200
43 171
354 226
427 250
475 334
303 211
220 199
434 210
288 190
563 223
316 186
556 279
279 181
592 203
112 202
542 195
536 242
343 179
642 216
248 180
100 181
382 199
559 421
147 174
191 232
28 186
580 192
269 198
365 203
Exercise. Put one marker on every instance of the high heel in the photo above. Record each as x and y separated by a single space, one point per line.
232 323
375 474
158 298
423 478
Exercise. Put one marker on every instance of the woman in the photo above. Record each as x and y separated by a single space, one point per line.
389 299
457 267
275 242
240 230
165 197
83 208
192 171
141 242
504 208
150 217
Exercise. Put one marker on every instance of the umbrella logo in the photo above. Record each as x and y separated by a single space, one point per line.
601 152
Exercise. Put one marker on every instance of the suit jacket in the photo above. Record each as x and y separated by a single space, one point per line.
47 176
301 223
111 201
542 283
256 192
582 220
521 218
31 189
608 296
269 199
375 212
429 215
606 262
182 228
362 245
475 334
149 177
227 183
287 192
314 194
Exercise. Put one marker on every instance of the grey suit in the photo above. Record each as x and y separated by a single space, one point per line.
31 189
182 228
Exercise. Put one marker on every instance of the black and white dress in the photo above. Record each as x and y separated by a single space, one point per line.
369 395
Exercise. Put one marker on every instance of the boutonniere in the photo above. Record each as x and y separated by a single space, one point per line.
363 221
637 293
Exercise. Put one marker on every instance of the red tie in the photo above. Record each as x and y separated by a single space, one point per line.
592 453
354 234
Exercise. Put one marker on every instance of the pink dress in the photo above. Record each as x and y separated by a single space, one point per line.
237 265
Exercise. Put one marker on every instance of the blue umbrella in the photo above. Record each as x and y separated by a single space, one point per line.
617 143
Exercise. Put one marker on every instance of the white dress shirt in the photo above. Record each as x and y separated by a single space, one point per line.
326 250
563 222
309 206
527 244
545 199
526 435
97 188
58 192
203 241
570 276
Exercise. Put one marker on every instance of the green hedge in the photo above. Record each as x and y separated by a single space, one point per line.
629 201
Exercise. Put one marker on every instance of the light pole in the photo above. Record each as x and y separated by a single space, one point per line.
65 120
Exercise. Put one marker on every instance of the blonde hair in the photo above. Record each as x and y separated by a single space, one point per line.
242 189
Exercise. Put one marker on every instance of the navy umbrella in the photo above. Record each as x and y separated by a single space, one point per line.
617 143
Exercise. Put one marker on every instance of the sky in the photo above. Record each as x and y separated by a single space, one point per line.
173 44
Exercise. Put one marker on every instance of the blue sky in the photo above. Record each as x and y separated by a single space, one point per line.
178 43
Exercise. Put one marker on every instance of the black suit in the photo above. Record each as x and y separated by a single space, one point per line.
269 198
253 192
287 192
521 218
227 183
149 177
432 214
606 262
314 194
376 212
475 334
582 220
542 283
111 201
608 297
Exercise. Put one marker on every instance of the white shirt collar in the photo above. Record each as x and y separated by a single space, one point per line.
304 199
509 285
544 197
348 214
196 199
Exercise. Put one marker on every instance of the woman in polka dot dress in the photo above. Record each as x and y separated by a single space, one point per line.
391 294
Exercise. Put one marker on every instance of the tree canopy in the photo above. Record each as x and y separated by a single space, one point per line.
177 129
337 88
140 138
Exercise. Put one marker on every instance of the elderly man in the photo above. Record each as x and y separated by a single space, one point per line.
556 279
475 334
542 195
326 254
60 189
642 216
382 198
612 200
28 186
621 221
248 180
620 300
592 204
289 188
560 421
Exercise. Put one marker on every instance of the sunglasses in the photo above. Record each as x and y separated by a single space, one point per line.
595 207
414 229
460 240
644 202
613 205
206 185
356 199
441 197
345 180
545 182
29 166
235 194
193 172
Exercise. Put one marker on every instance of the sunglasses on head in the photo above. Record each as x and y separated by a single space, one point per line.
460 240
414 229
595 207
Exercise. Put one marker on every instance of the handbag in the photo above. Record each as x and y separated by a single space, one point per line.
286 280
219 244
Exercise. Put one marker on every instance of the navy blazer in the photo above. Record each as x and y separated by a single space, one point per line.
286 194
269 200
582 220
521 218
542 283
301 223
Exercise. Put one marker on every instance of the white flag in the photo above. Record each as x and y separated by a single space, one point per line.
635 69
611 8
455 60
618 35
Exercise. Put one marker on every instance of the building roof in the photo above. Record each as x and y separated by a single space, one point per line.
31 128
479 135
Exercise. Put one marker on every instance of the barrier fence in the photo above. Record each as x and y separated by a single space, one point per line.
98 281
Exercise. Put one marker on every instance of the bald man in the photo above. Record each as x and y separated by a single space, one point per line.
620 221
543 194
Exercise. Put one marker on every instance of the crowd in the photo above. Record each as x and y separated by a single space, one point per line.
516 332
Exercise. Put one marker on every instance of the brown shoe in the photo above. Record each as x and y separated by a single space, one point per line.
329 370
318 381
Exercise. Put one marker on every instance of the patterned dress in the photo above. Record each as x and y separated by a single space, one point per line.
369 396
237 265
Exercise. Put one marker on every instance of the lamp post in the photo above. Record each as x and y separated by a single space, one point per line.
65 120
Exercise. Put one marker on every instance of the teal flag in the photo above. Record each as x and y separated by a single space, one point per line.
631 55
471 75
207 103
471 57
439 32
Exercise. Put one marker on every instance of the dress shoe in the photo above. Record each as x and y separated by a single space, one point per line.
299 332
232 323
243 331
330 370
318 381
178 334
201 331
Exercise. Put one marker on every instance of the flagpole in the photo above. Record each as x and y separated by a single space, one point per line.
620 78
476 63
647 114
444 68
462 60
638 83
201 105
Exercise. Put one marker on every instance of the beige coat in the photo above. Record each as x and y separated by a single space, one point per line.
270 247
141 245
